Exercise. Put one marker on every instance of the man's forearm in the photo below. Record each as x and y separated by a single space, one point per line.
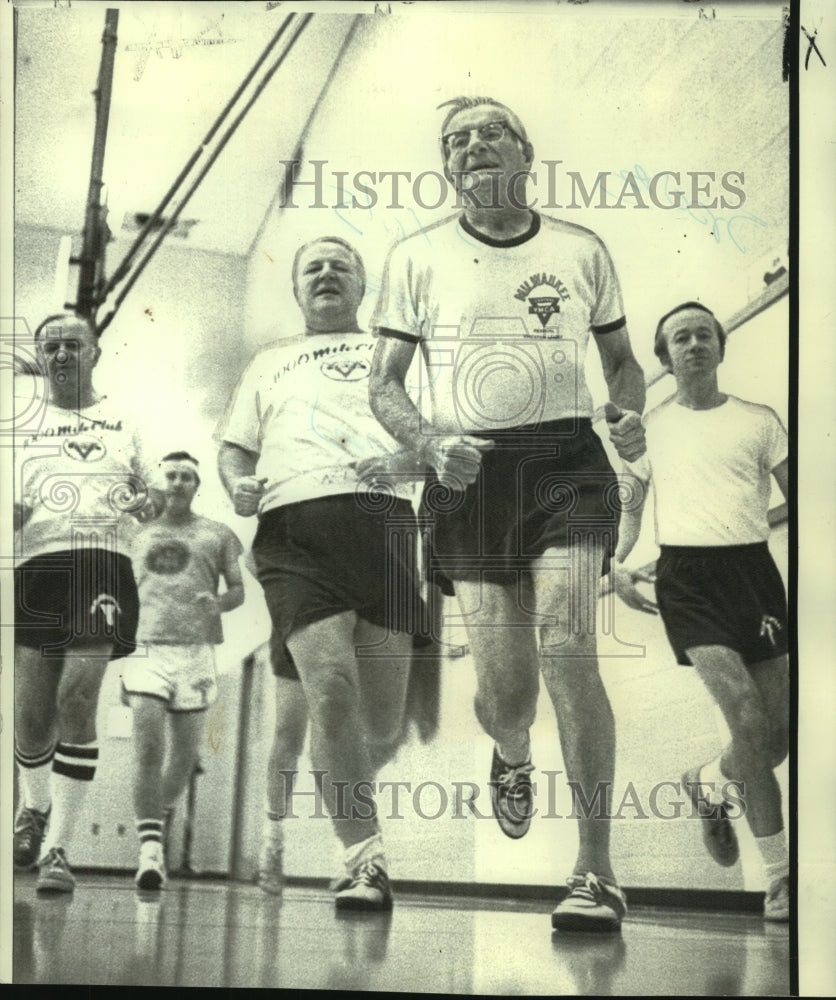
235 462
231 598
626 385
629 527
398 414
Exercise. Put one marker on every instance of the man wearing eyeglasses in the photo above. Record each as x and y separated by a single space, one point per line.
521 501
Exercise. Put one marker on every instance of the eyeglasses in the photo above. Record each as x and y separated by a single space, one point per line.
455 142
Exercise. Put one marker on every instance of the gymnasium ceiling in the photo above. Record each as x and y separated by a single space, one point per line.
644 86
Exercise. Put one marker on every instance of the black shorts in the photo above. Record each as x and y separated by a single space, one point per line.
725 595
539 487
321 557
81 594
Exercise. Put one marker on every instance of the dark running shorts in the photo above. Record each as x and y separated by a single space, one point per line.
726 595
321 557
539 487
80 595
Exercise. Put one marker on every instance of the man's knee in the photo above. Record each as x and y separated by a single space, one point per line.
333 697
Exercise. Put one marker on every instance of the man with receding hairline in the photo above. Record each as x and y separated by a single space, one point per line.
521 500
81 484
335 572
710 461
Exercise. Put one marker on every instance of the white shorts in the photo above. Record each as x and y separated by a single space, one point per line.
182 676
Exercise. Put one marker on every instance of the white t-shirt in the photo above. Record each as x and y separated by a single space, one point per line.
710 471
80 473
302 405
503 325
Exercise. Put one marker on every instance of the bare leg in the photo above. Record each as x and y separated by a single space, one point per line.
568 588
287 746
383 686
756 740
186 729
503 641
324 656
149 751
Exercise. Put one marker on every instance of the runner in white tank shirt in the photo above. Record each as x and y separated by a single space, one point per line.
710 462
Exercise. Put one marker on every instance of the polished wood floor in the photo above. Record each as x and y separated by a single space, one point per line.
226 934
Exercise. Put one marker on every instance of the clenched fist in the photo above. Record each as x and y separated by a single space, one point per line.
247 494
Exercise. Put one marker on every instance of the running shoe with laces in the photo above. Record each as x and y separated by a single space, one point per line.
151 872
54 873
776 904
367 888
511 795
29 830
717 831
592 905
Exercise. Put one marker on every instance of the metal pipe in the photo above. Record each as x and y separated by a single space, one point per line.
95 229
153 220
204 170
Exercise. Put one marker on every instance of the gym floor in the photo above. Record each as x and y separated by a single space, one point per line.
215 933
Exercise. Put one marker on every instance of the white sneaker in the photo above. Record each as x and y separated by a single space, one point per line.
776 905
151 874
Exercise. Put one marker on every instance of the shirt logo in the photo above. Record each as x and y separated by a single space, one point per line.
167 558
541 305
108 606
769 626
83 449
346 371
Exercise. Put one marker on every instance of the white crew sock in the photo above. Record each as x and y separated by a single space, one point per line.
34 773
776 856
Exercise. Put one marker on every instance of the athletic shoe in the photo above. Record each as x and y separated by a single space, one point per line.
511 795
717 832
776 905
30 826
367 889
54 873
592 905
270 870
151 873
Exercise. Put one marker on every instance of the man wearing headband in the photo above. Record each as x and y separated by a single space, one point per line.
170 681
710 461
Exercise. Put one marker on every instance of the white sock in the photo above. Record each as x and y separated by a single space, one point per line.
34 772
712 781
72 771
775 854
370 849
274 832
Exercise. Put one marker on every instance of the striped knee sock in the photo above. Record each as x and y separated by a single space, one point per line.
34 770
149 831
73 768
